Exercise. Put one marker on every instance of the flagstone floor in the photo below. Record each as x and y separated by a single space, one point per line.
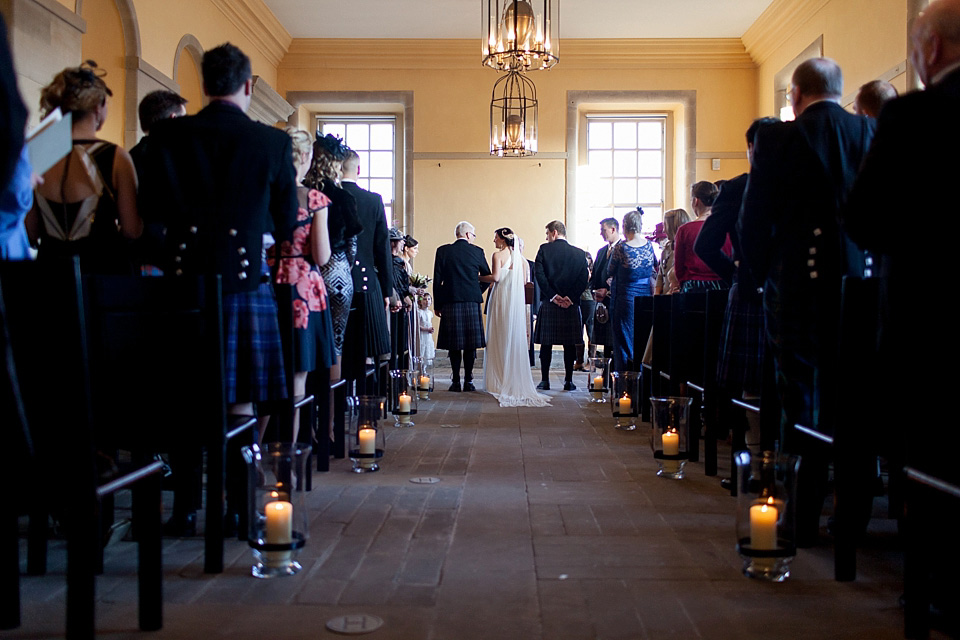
545 523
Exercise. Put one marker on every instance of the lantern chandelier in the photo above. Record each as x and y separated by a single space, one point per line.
520 35
513 116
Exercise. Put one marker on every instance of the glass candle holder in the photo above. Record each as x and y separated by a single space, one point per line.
365 438
424 377
625 398
670 419
403 396
598 378
766 514
278 528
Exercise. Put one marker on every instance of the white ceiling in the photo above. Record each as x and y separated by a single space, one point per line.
461 18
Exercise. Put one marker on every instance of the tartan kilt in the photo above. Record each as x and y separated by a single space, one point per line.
461 327
741 347
253 359
558 326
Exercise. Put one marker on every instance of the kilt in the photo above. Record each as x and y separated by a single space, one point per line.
461 326
600 333
558 326
741 347
253 360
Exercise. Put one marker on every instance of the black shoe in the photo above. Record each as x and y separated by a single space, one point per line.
569 386
544 385
455 386
180 526
468 386
726 483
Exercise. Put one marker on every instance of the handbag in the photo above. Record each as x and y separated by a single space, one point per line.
528 293
601 314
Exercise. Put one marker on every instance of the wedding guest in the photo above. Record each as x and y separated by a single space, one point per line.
630 268
428 350
600 284
666 275
692 273
401 306
587 308
872 96
87 204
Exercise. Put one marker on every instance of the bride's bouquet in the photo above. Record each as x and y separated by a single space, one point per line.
420 281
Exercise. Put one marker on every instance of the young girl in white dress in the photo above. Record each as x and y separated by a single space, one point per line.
506 361
428 350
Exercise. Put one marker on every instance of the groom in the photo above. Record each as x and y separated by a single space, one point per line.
562 275
457 296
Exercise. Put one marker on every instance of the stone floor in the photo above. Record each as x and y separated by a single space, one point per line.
546 523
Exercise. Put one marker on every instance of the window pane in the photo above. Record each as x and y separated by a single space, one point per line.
601 194
381 164
625 164
358 136
625 190
649 190
649 164
650 135
364 162
601 163
335 129
625 135
363 183
599 135
381 136
388 212
383 187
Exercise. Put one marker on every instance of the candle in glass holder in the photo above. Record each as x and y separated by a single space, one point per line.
763 526
367 440
425 383
625 406
403 407
671 443
279 528
598 382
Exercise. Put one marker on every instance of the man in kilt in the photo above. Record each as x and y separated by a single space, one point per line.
562 275
457 295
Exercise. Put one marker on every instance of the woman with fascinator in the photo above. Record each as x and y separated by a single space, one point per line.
506 363
343 226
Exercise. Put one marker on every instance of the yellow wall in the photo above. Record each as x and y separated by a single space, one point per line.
103 43
867 39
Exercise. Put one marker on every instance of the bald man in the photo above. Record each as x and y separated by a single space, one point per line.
906 176
791 240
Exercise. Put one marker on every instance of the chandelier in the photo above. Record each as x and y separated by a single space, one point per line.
513 116
520 35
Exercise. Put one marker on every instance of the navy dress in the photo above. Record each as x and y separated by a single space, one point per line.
631 269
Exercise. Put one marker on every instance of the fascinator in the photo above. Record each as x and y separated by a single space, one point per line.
332 145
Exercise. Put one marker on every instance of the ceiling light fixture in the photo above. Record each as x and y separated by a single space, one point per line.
513 116
520 35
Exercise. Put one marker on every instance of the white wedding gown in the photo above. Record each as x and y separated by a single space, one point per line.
506 360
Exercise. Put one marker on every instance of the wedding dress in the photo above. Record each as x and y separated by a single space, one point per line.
506 360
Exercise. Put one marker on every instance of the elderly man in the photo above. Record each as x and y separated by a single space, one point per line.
872 96
457 294
791 240
562 275
906 174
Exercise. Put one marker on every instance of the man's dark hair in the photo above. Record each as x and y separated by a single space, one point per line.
225 69
819 77
873 95
159 105
557 227
756 124
611 222
705 192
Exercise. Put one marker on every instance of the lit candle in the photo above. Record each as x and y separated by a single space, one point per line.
598 382
367 440
425 383
625 405
403 407
671 443
279 529
763 526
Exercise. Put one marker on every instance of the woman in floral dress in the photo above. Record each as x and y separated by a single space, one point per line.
313 346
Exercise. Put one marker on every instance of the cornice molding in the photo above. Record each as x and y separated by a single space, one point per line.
266 105
339 53
257 23
775 25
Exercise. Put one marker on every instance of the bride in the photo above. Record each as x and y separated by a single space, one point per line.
506 364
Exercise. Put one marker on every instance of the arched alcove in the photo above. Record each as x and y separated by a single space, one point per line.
186 72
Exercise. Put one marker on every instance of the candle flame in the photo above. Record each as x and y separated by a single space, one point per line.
770 500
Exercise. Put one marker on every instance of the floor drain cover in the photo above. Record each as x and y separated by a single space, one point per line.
425 480
355 625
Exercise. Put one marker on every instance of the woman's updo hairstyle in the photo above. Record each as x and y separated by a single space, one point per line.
632 221
302 144
506 234
78 90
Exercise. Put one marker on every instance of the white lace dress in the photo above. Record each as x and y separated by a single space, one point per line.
506 362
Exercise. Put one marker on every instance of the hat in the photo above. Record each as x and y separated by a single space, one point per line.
395 234
332 145
658 233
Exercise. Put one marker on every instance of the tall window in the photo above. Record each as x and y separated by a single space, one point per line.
374 140
625 168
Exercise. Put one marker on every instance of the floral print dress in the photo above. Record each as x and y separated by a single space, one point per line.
313 328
